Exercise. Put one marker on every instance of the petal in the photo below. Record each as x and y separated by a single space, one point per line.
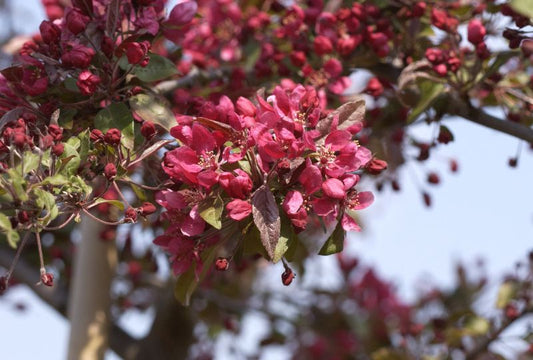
293 202
334 188
349 224
365 199
311 179
238 209
324 206
338 139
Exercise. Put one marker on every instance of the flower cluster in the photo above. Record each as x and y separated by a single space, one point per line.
283 147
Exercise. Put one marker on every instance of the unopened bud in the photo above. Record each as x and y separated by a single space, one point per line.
112 136
58 149
110 171
287 276
148 129
433 178
47 279
222 264
147 209
130 215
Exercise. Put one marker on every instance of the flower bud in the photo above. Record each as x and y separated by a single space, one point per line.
58 149
96 135
112 136
147 209
47 279
50 32
476 31
87 82
427 199
222 264
148 129
130 216
56 132
287 276
445 135
76 21
110 171
376 166
374 87
137 52
433 178
77 56
454 166
322 45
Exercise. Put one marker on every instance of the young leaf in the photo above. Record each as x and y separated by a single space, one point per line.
5 226
211 211
158 68
429 92
349 114
117 115
266 217
335 242
153 108
116 203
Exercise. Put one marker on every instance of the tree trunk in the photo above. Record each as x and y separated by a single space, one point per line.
89 301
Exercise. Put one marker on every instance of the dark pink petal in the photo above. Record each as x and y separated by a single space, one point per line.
365 199
181 14
170 200
202 139
208 178
349 224
245 107
293 201
338 139
193 224
324 206
238 209
334 188
350 181
311 179
300 218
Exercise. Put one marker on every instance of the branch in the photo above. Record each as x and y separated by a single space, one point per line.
480 117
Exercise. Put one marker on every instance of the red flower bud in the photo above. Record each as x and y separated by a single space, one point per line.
147 209
476 31
58 149
137 52
107 46
454 166
419 9
322 45
96 135
19 139
56 132
297 58
376 166
433 178
76 21
374 87
148 129
23 217
513 162
87 82
427 199
112 136
445 135
77 56
395 185
50 32
440 69
130 215
110 171
47 279
435 55
222 264
287 276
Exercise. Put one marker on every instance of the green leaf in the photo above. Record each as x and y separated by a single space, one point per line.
525 7
116 203
56 180
506 293
335 242
66 118
18 183
158 68
286 239
117 115
211 211
139 192
30 161
429 92
5 226
476 326
187 282
47 202
153 108
69 160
